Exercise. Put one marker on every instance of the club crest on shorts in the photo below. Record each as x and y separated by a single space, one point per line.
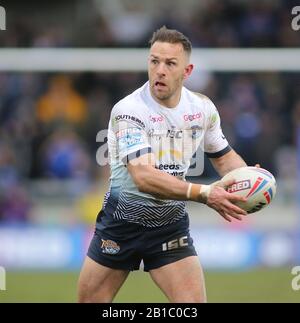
110 247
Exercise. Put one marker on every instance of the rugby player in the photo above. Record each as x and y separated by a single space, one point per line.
153 134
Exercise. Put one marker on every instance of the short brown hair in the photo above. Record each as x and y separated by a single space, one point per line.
171 36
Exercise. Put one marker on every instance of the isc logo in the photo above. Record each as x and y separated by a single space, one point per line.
174 244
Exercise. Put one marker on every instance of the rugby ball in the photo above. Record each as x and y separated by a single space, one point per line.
256 184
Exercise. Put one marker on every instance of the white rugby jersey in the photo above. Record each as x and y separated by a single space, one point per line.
139 125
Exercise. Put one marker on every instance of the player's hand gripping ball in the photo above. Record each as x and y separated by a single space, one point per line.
256 184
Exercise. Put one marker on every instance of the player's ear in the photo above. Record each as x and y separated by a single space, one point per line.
188 71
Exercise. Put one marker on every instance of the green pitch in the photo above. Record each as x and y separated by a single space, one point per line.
262 285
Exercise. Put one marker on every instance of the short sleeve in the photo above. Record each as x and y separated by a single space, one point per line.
130 130
215 143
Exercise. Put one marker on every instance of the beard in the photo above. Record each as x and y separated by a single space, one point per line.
168 91
164 95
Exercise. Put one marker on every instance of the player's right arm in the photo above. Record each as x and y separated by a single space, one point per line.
160 184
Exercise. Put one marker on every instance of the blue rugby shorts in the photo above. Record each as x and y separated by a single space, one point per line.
123 245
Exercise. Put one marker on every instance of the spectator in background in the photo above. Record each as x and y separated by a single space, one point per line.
14 205
61 104
14 202
8 173
64 156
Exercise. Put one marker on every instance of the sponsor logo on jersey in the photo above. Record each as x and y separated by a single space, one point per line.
129 138
191 117
156 133
156 118
109 247
213 119
196 131
167 167
171 169
174 133
168 133
173 153
130 118
128 131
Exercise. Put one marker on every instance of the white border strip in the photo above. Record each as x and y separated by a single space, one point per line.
135 60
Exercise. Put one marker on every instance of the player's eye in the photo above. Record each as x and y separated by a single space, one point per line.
171 63
154 61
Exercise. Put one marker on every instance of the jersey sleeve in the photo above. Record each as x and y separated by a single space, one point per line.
215 143
130 130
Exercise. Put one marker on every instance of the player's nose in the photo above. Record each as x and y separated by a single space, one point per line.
161 69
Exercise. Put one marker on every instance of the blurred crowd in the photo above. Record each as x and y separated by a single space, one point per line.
103 23
49 122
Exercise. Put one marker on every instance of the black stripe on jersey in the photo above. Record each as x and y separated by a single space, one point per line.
147 213
136 154
219 153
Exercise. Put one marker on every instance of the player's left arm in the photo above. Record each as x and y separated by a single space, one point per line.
227 162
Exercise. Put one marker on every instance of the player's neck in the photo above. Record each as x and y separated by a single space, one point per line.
171 102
